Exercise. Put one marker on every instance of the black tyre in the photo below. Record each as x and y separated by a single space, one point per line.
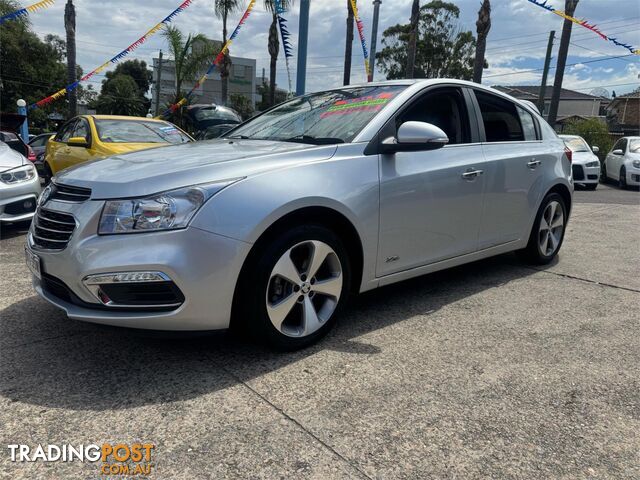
622 182
291 294
48 174
591 186
604 178
548 231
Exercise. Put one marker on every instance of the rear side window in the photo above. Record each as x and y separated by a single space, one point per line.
501 119
528 124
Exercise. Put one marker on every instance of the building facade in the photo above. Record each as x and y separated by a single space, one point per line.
242 81
623 114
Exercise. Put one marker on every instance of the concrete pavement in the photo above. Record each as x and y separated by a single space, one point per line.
492 370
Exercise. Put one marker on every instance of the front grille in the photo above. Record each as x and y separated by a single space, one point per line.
578 172
67 193
52 230
149 294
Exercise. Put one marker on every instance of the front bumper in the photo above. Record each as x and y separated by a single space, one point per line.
585 175
633 176
18 201
203 265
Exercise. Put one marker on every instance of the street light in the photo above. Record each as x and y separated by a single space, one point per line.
24 129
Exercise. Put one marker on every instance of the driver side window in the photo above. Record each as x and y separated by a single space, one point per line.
65 132
444 108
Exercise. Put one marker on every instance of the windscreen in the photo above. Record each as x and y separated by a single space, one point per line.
634 146
139 131
321 118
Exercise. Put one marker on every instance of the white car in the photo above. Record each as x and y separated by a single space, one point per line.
585 164
19 186
623 162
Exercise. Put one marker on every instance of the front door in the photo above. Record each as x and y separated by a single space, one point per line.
431 201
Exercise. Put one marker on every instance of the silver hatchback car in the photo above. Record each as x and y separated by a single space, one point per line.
269 229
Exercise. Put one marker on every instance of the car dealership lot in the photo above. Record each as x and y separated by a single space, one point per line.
494 369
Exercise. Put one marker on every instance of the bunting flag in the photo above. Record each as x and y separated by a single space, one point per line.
24 11
219 58
69 88
585 24
284 33
360 26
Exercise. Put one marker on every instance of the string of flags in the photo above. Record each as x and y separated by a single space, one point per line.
585 24
155 29
284 33
26 10
219 58
360 26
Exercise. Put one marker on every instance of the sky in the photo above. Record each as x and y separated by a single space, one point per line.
515 50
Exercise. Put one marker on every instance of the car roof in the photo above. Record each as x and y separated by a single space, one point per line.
570 136
123 117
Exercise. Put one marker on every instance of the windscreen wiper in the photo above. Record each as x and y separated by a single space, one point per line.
313 140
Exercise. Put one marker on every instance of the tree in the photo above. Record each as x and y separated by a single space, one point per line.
189 61
222 9
569 8
70 28
32 69
594 131
348 49
120 96
274 45
483 25
442 48
242 105
136 69
413 38
279 96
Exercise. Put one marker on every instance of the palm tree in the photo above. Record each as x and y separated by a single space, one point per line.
413 38
483 25
348 49
222 9
189 61
569 8
70 28
274 45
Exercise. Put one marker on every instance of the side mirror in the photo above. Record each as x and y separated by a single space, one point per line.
415 136
618 152
595 149
78 142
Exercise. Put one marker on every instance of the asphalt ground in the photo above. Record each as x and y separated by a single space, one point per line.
490 370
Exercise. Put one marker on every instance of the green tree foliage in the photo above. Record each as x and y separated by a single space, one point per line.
594 131
31 68
222 9
264 90
443 49
135 70
242 105
120 96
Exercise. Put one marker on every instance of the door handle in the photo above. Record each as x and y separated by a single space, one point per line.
471 174
533 163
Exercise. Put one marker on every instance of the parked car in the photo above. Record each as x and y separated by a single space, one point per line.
585 164
39 145
19 186
89 137
209 121
623 162
270 229
10 124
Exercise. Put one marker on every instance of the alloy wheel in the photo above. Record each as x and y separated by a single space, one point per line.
304 288
551 228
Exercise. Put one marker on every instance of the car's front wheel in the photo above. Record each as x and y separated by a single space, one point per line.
548 231
622 181
591 186
296 287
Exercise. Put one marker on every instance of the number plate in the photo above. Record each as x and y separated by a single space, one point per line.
33 262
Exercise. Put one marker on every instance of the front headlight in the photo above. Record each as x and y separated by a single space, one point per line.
163 211
592 164
636 163
17 175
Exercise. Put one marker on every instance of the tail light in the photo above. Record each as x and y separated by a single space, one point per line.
569 154
31 155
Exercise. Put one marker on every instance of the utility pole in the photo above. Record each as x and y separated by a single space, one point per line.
545 72
374 37
413 39
570 8
70 28
348 49
158 83
303 37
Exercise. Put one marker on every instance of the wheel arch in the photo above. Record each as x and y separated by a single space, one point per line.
565 193
317 215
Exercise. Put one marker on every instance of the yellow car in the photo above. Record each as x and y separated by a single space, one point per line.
87 137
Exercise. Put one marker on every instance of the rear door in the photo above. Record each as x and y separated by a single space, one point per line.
430 204
516 160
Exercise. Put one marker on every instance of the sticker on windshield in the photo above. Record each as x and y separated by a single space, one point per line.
168 129
370 103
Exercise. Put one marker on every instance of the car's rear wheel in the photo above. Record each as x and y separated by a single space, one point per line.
548 231
296 288
622 182
591 186
48 174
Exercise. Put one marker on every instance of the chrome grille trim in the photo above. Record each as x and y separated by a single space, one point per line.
67 193
52 230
